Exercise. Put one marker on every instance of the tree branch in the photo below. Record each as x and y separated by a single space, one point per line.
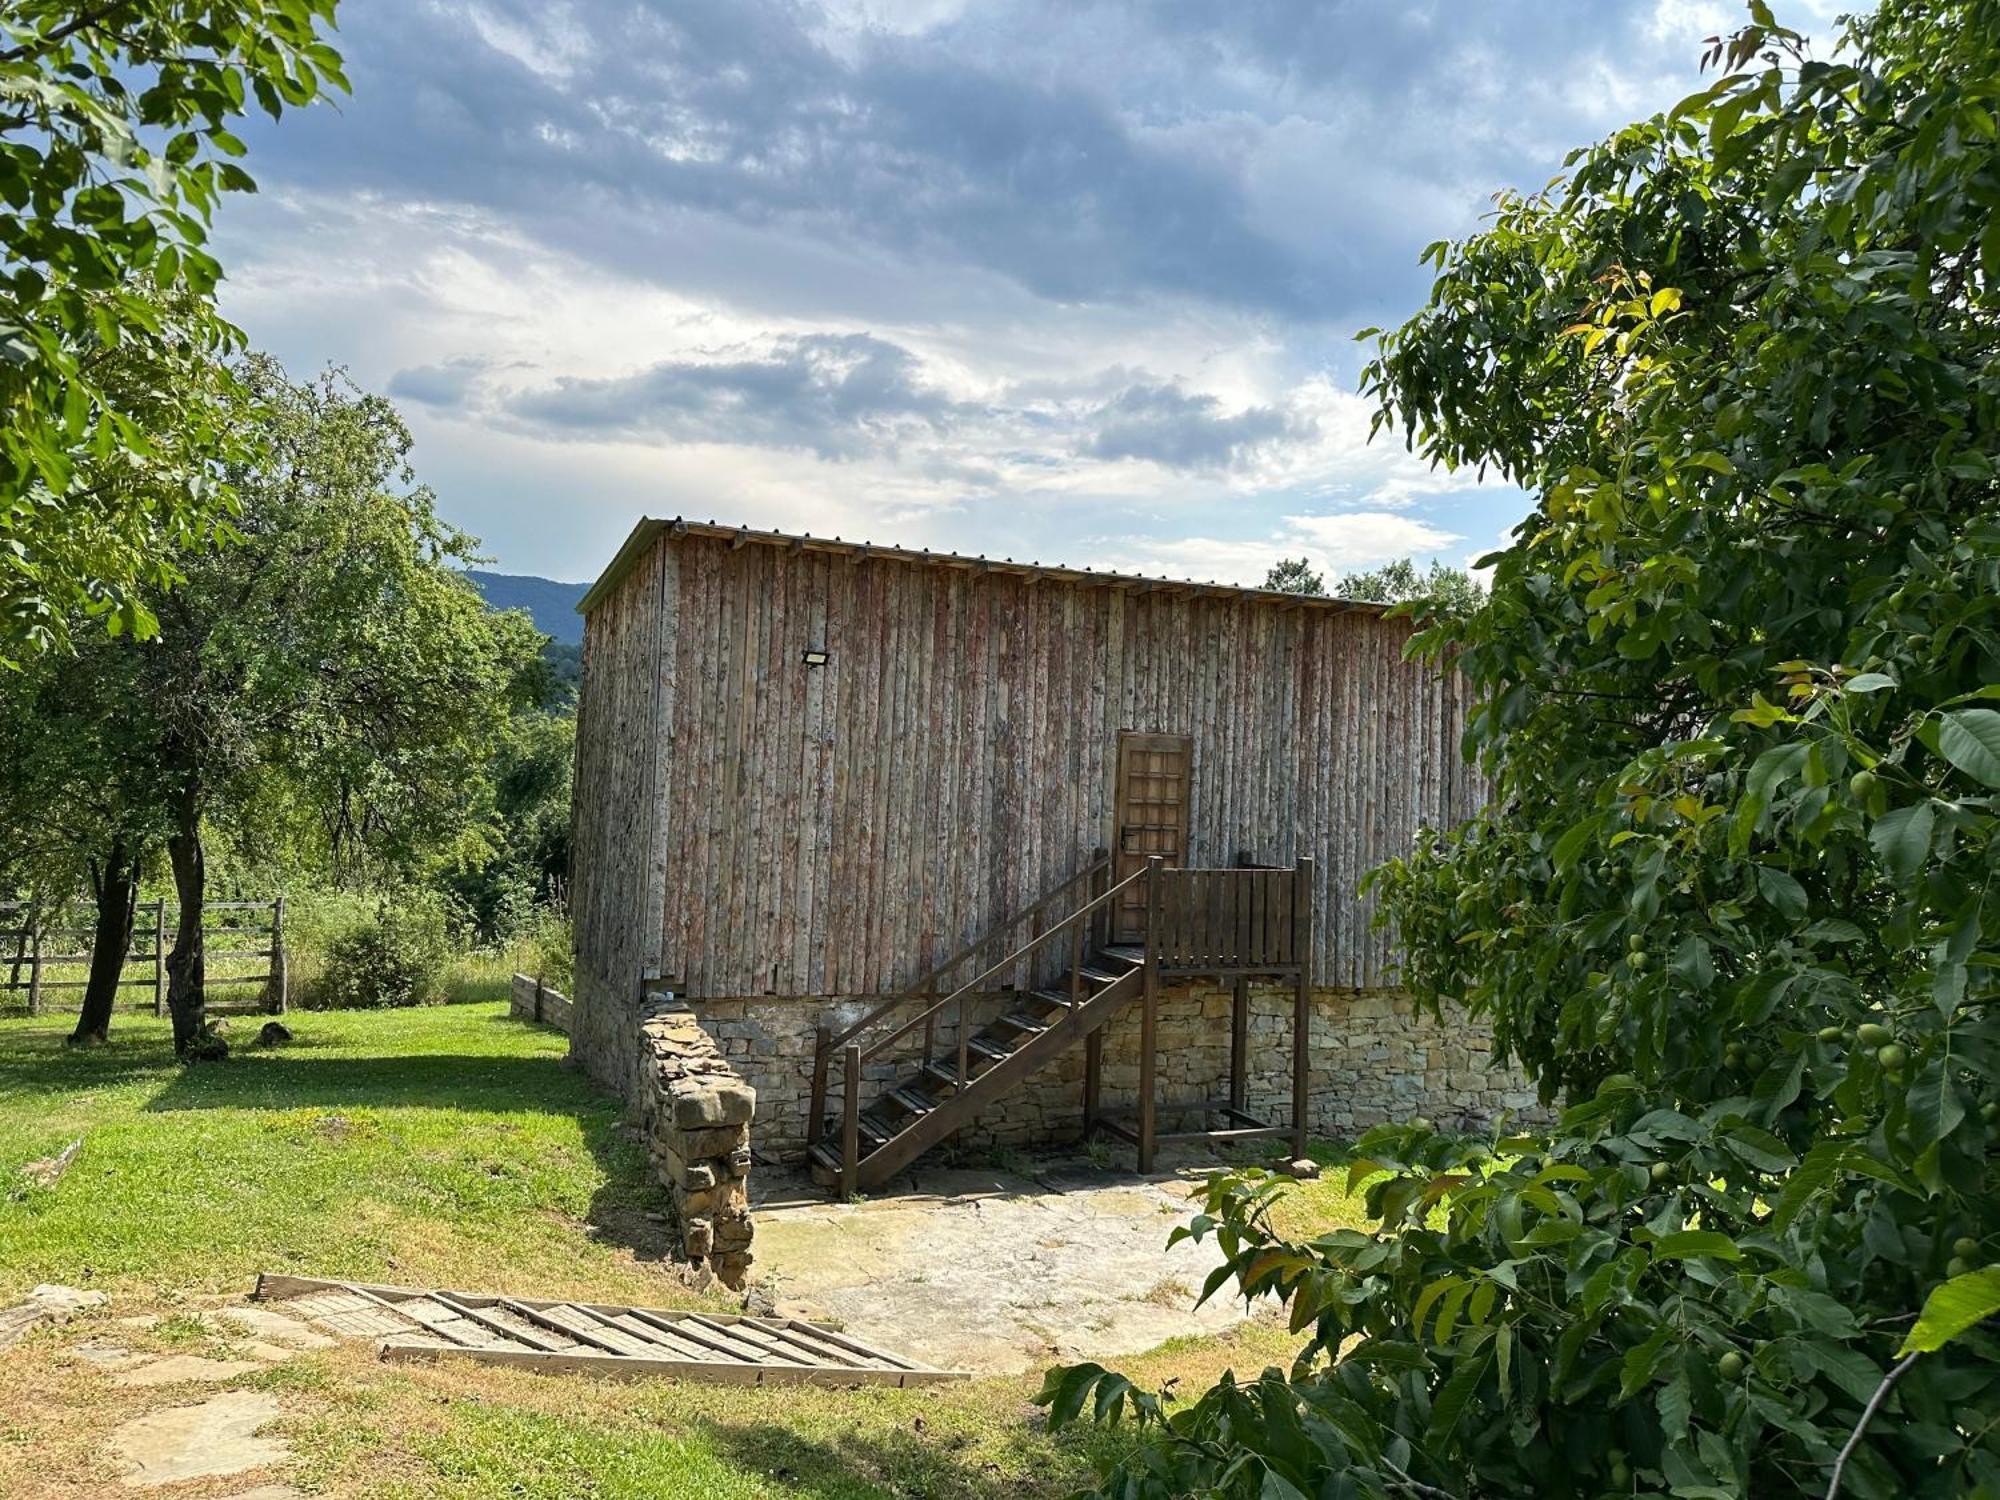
1404 1481
1867 1414
64 32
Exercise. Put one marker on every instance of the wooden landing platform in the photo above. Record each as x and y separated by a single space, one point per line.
416 1323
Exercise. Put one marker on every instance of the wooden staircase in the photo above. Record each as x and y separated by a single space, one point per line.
934 1100
1251 920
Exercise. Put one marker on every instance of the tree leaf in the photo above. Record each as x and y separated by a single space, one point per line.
1970 740
1683 1244
1954 1307
1868 682
1902 839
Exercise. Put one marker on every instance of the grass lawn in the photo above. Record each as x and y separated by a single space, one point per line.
446 1146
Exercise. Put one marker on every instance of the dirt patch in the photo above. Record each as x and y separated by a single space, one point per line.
996 1271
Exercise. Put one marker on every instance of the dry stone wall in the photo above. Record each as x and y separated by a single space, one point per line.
1373 1058
531 1000
695 1112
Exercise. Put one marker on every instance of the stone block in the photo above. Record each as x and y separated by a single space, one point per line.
712 1100
717 1140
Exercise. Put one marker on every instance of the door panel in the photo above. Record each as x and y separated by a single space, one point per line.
1152 812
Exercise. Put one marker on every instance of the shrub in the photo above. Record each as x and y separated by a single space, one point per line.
401 955
542 946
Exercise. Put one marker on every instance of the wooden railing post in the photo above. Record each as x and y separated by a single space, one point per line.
1076 962
964 1051
850 1124
279 982
1302 949
35 973
1149 1018
160 957
816 1104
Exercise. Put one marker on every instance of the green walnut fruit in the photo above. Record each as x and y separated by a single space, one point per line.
1753 1062
1661 1171
1421 1122
1965 1247
1862 784
1730 1366
1990 1111
1893 1057
1871 1035
1958 1265
1636 941
1831 1033
1636 960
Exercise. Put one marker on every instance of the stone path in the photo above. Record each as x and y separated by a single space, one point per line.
212 1438
215 1437
993 1272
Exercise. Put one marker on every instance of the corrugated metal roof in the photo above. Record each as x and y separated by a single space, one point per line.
650 529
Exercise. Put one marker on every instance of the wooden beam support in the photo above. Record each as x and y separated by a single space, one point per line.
1093 1078
1149 1018
1302 926
1239 1044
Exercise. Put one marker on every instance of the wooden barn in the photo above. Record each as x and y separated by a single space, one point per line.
936 844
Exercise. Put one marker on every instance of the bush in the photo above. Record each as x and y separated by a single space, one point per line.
542 947
400 956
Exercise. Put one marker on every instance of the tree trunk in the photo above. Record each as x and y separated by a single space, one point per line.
116 884
187 976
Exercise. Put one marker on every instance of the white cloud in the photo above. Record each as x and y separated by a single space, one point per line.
1106 256
1347 542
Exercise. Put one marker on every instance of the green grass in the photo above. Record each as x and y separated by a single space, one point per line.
392 1145
445 1146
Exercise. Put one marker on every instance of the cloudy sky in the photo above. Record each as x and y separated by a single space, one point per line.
1074 280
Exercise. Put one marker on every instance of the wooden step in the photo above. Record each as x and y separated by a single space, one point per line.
1024 1023
1056 997
913 1102
824 1158
987 1048
1126 953
1098 975
877 1131
942 1074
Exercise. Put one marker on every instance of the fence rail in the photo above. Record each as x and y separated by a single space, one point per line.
29 962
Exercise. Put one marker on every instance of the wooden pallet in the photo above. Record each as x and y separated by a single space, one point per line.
599 1339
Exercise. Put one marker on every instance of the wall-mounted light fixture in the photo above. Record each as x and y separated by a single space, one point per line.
812 657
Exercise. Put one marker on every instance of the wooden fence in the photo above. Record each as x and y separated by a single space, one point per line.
56 954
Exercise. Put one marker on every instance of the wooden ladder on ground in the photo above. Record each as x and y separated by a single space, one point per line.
1242 921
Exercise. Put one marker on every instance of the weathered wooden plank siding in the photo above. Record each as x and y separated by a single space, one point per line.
750 825
628 789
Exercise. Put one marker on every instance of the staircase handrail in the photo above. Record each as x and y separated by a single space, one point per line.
922 987
827 1045
1006 963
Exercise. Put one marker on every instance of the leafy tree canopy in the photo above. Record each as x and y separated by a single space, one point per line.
115 146
1295 575
328 686
1436 588
1735 899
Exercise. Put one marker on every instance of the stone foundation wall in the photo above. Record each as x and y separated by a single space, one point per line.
695 1111
604 1033
1372 1059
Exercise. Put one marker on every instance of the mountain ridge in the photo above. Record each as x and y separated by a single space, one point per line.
549 602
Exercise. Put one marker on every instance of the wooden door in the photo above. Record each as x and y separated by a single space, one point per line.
1153 771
